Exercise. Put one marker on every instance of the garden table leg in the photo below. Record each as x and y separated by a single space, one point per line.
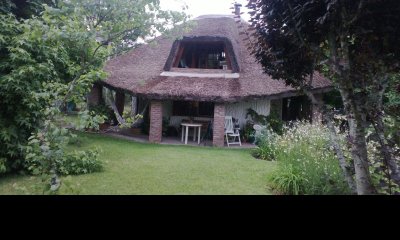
183 133
187 133
198 136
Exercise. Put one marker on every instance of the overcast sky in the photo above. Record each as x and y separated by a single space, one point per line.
203 7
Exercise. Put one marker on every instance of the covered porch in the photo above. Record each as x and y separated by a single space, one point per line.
162 119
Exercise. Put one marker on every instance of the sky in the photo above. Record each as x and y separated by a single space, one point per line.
203 7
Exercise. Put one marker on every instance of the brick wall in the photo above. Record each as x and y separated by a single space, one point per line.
155 134
218 127
95 96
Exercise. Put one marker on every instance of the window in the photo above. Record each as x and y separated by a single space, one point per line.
202 54
193 109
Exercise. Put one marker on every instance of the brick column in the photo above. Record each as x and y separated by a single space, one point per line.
316 115
219 124
120 101
95 96
155 133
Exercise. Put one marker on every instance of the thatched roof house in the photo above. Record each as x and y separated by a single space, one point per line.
209 68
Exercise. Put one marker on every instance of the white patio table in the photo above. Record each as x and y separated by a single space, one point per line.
185 131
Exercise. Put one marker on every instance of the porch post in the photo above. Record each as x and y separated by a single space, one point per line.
95 96
120 101
315 112
219 124
155 133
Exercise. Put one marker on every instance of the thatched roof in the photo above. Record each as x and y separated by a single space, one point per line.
139 71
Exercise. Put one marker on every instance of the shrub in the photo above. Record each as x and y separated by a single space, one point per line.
248 132
273 120
81 162
288 180
265 144
78 162
305 162
103 110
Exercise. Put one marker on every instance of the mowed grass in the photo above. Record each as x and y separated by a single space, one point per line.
138 168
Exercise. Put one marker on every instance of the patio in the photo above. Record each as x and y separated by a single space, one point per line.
142 138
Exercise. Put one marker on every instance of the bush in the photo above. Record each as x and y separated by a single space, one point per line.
81 162
103 110
248 132
273 120
265 142
306 163
288 180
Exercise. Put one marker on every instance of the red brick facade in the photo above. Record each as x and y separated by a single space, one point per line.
219 124
95 96
155 134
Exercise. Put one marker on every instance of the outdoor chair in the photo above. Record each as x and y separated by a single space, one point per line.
232 134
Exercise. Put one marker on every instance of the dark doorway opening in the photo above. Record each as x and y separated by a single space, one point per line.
296 108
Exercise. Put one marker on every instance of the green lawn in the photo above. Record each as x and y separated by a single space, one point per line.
137 168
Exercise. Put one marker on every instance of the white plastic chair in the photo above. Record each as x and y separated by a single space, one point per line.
230 132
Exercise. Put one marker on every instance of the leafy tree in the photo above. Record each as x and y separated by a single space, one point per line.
353 43
55 58
24 9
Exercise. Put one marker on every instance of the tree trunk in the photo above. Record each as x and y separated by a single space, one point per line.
357 121
360 157
385 149
376 114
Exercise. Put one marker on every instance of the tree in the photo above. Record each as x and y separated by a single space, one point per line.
24 9
55 58
354 43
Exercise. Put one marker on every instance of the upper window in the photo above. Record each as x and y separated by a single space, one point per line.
202 52
204 55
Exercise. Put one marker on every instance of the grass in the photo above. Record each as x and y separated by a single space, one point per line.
137 168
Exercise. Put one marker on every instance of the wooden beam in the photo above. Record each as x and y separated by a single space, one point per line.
178 55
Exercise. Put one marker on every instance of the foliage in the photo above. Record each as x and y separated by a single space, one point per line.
81 162
379 171
288 180
46 154
273 120
24 9
392 110
3 167
248 132
295 38
120 23
40 63
265 141
102 110
54 58
306 163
